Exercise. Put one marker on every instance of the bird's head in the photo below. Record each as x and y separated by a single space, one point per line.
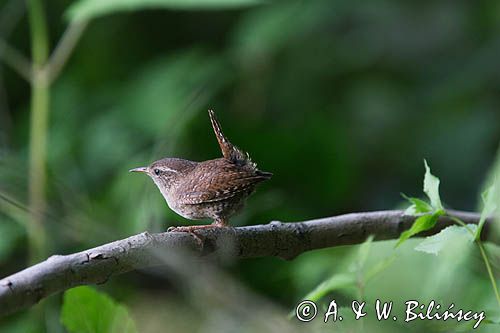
167 172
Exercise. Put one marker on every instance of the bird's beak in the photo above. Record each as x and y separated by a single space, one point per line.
141 169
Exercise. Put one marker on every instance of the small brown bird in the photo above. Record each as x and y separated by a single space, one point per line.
214 189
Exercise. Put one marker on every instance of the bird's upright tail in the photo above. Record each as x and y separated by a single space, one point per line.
264 174
229 151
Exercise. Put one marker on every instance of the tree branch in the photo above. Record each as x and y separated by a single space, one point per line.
284 240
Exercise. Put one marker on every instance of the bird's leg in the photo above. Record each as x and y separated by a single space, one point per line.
192 231
190 228
218 223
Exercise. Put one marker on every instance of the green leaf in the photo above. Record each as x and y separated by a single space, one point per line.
87 311
490 205
435 243
338 281
427 221
431 188
418 206
90 9
424 222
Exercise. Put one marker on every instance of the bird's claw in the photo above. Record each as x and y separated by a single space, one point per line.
193 228
192 231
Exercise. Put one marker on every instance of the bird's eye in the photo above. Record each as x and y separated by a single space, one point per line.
157 172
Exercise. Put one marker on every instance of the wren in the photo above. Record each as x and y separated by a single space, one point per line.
214 189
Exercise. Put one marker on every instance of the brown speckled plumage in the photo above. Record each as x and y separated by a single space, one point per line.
214 189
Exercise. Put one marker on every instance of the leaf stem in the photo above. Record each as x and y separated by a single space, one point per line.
488 268
461 223
483 255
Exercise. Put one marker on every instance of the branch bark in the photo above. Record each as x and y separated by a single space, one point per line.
284 240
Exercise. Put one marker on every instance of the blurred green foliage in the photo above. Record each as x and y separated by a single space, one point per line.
340 100
91 9
86 311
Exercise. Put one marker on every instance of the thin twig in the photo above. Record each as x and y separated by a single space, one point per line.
16 60
64 48
284 240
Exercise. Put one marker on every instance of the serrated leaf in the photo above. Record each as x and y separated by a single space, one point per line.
90 9
421 206
86 310
431 188
418 206
490 205
422 223
435 243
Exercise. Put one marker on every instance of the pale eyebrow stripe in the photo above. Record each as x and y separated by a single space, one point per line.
171 170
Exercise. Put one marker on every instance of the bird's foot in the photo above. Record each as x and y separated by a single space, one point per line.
193 228
219 223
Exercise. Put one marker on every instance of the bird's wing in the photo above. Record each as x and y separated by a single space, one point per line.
221 186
